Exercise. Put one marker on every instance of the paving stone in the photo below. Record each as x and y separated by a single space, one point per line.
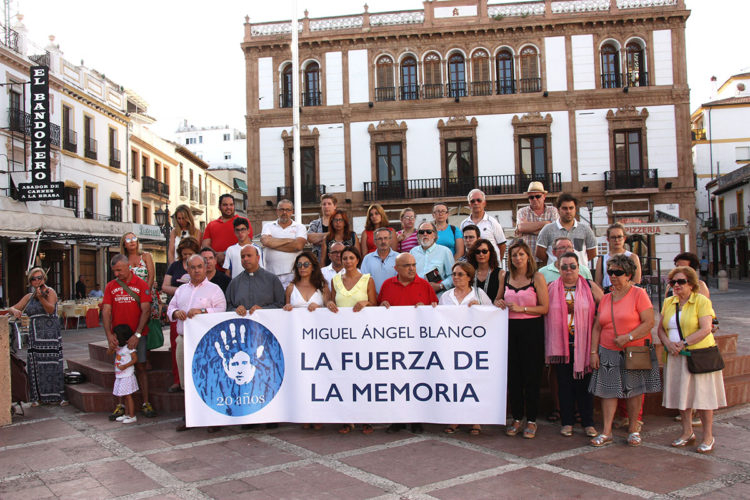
739 490
328 441
121 478
548 440
526 483
422 463
36 431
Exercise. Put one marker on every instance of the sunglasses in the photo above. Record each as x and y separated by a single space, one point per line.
408 217
535 196
458 275
425 231
681 282
483 251
615 272
131 239
303 264
476 200
36 278
566 267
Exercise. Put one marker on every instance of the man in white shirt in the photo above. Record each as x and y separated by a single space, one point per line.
336 266
489 226
283 240
232 259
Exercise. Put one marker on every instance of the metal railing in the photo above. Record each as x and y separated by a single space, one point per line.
70 140
87 213
455 89
9 38
481 88
153 186
526 85
441 187
286 100
385 94
193 193
635 78
310 193
611 81
20 121
409 92
311 98
631 179
89 149
184 189
505 86
432 90
114 157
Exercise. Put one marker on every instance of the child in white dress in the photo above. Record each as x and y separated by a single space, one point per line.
125 381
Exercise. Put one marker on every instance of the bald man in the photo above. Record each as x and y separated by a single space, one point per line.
406 288
254 288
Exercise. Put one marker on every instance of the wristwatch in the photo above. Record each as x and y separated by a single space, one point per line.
630 337
203 311
137 335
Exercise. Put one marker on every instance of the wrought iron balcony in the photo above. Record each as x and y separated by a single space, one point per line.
87 213
310 193
193 193
20 121
635 78
184 189
611 81
385 94
311 98
631 179
432 90
442 187
456 89
286 100
505 86
70 140
409 92
90 148
526 85
153 186
114 157
481 88
9 38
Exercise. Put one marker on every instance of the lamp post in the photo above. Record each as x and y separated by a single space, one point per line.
590 206
162 220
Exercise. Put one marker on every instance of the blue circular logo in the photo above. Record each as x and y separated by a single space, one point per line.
238 367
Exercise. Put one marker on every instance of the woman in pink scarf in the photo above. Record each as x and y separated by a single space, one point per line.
572 308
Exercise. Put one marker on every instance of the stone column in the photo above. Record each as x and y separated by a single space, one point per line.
5 389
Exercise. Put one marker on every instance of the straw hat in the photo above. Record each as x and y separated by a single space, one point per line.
536 187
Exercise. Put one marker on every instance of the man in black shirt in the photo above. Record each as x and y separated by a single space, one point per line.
220 279
80 288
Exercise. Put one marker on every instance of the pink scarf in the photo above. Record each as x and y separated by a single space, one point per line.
556 326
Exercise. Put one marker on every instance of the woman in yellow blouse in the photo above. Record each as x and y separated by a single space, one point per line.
684 390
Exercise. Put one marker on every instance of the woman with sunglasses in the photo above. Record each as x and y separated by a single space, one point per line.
184 226
464 294
524 293
616 240
340 231
307 289
686 326
484 259
407 237
44 361
376 218
625 319
568 325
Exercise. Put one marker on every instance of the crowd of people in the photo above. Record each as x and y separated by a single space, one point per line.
581 330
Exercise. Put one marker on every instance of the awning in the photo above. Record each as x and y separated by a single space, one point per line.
240 185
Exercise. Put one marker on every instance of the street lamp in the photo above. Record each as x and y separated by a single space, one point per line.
590 206
162 220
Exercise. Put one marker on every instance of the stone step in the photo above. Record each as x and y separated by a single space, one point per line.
102 373
160 359
737 389
735 365
727 342
90 397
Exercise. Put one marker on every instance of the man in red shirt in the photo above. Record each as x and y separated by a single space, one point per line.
219 233
406 288
120 307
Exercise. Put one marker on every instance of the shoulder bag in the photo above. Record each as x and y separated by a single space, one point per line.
704 360
155 337
637 357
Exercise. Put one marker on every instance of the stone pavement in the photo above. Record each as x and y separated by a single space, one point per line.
54 452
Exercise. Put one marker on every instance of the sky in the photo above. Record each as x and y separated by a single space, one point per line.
184 58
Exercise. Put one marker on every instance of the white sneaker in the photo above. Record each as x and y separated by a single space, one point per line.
129 420
121 418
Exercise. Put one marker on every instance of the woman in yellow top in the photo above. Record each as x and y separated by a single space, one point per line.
684 390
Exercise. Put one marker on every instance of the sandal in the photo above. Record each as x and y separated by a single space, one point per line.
451 429
680 442
530 431
601 440
346 428
554 416
367 429
704 448
567 430
634 439
475 431
591 431
513 429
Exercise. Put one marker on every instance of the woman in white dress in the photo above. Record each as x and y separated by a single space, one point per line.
464 294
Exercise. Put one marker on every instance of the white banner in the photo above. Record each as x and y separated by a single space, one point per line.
442 365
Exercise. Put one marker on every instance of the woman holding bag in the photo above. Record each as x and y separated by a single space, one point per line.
686 328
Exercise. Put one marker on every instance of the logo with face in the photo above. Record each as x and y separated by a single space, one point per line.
238 367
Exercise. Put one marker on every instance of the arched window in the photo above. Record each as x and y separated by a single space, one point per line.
286 98
433 81
409 85
636 65
610 66
481 81
530 81
385 89
504 79
312 85
456 75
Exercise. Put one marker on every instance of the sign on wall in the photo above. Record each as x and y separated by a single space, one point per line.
41 186
404 364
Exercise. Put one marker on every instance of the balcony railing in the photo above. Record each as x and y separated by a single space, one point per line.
9 38
114 157
611 81
193 193
631 179
635 78
409 92
444 187
184 189
311 98
310 193
385 94
456 89
19 121
286 100
526 85
481 88
90 148
505 86
153 186
87 213
70 140
432 90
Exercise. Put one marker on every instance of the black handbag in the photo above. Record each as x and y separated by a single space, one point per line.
704 360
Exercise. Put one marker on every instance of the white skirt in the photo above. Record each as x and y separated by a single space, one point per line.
683 390
125 386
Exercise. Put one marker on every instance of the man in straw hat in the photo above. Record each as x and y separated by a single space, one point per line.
530 220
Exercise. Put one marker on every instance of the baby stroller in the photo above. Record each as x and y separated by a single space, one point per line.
19 383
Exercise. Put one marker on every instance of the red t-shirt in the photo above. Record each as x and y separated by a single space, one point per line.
222 234
627 314
418 291
125 310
